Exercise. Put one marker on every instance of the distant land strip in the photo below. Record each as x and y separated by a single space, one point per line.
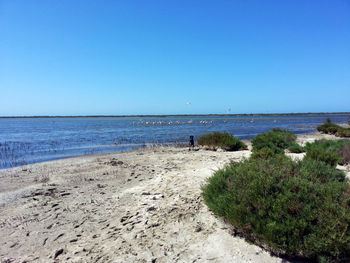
179 115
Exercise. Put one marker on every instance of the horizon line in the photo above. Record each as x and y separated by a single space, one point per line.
171 115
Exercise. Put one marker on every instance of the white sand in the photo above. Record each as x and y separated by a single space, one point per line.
139 206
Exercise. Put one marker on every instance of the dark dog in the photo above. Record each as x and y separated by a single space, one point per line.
191 142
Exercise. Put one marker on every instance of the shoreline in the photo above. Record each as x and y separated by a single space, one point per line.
142 205
175 144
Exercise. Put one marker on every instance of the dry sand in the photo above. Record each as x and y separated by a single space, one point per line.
139 206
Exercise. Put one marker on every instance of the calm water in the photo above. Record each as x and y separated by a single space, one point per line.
31 140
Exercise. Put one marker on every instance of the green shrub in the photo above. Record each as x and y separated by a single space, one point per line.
263 153
222 140
316 172
330 145
344 152
332 128
296 148
328 127
295 208
319 154
343 133
328 151
277 140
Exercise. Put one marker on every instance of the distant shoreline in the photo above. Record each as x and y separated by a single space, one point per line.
178 115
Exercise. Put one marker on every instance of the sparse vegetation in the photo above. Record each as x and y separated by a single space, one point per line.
295 208
222 140
13 153
42 179
331 128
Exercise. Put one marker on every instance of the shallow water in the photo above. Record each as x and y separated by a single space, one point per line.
30 140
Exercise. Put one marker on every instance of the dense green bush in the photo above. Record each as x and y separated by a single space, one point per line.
222 140
332 152
263 153
330 145
332 128
328 127
295 208
319 154
344 152
296 148
343 132
277 140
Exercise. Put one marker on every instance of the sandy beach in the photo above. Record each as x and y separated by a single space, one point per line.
138 206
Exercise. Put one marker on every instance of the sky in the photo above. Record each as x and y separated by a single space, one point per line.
103 57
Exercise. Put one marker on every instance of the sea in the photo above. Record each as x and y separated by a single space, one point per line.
31 140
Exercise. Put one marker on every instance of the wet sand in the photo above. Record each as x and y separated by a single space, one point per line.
139 206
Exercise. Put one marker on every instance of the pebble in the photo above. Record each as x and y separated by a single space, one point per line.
58 252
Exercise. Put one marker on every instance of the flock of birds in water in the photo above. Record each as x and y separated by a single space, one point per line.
170 123
148 123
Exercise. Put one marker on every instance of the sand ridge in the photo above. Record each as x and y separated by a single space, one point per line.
139 206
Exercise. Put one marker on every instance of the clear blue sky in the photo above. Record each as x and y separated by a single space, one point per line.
151 57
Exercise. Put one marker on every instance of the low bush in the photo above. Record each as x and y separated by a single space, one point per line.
296 148
332 152
295 208
222 140
343 133
332 128
277 140
344 152
322 155
330 145
328 127
263 153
